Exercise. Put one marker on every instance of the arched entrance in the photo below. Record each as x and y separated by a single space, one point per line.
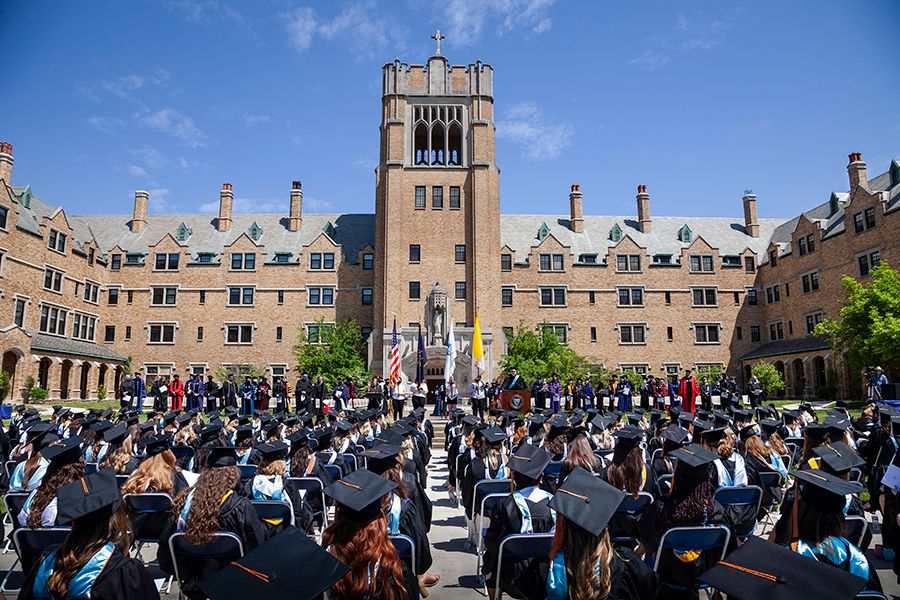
819 372
44 373
799 378
101 378
85 378
64 379
10 361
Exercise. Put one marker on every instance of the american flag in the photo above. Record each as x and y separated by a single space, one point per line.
395 358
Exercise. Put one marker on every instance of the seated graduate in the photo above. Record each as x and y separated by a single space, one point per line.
760 458
583 564
489 463
674 437
290 565
269 484
28 474
95 452
526 510
156 473
401 509
730 465
201 511
690 504
579 454
66 465
815 525
459 454
93 561
120 453
359 538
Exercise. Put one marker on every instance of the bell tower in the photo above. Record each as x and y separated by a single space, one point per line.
437 203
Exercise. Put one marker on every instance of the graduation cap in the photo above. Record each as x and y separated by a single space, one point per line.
534 419
100 426
288 565
628 437
817 433
494 435
157 445
693 457
89 501
576 432
323 436
769 426
87 422
634 419
763 569
243 432
37 432
131 421
210 432
721 419
221 456
382 459
290 421
270 427
116 435
298 439
529 460
358 495
344 427
56 408
64 451
183 420
107 413
712 436
147 426
586 501
272 451
825 492
838 458
790 415
749 431
686 417
675 434
601 423
703 415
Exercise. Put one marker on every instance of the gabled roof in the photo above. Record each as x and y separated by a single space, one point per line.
30 220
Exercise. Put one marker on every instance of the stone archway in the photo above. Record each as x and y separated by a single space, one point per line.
101 377
84 383
799 377
11 360
818 368
64 373
44 374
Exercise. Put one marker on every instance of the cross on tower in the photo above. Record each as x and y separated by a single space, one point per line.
438 37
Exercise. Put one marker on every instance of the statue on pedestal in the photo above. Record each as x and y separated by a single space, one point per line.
436 315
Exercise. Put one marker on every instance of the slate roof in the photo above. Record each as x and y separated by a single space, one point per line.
519 232
352 231
791 346
50 343
30 219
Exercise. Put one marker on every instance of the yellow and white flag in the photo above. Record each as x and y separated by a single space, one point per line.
477 351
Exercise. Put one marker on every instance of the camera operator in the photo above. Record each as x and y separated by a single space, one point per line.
876 379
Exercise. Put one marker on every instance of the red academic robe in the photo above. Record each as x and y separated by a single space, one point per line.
688 390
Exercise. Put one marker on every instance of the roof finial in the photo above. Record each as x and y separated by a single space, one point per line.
438 37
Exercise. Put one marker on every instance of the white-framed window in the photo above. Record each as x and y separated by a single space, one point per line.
704 297
812 320
53 279
282 257
867 262
806 244
863 221
91 291
773 294
560 330
241 296
672 369
701 366
56 241
320 296
156 369
776 330
706 333
20 311
239 333
134 258
321 261
165 261
164 296
553 296
83 327
631 296
198 368
641 369
630 263
243 261
161 333
4 217
810 282
313 332
53 319
278 370
632 333
701 263
551 262
731 261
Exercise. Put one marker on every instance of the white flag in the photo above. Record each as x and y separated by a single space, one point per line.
450 365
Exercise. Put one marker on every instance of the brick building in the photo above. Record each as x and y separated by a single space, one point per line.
190 293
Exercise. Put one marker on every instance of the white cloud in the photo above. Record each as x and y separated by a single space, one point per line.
106 124
301 27
158 203
247 206
311 204
468 18
151 157
358 25
173 123
123 86
211 12
136 171
688 35
525 126
651 59
251 120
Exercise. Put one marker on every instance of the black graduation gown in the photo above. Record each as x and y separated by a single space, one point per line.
236 515
411 525
506 520
149 526
754 467
323 458
625 525
476 472
661 468
417 494
302 511
121 579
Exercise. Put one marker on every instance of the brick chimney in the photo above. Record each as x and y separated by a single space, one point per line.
751 224
6 161
857 171
645 225
295 218
139 220
576 221
226 198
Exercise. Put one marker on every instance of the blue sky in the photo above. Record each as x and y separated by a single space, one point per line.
697 100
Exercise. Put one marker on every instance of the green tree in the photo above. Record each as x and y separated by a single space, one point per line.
712 372
102 392
4 384
332 350
241 372
869 328
29 385
126 367
769 377
537 352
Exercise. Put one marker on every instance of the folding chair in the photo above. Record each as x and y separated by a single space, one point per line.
858 532
35 543
121 479
223 544
311 485
182 451
748 495
10 466
692 539
605 454
147 503
521 545
247 470
351 460
406 548
487 493
871 596
90 468
553 468
629 506
658 453
769 479
334 471
665 484
856 474
275 512
787 460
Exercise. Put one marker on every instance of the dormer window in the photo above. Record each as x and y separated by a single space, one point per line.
282 257
57 241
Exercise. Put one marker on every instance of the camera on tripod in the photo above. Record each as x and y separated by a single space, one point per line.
870 374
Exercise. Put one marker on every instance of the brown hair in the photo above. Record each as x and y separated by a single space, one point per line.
202 520
56 477
118 456
583 551
275 467
300 461
624 472
580 455
154 474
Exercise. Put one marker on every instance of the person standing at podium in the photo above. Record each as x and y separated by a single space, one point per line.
513 381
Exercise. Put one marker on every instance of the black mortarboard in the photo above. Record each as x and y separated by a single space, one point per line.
535 419
222 456
288 565
359 495
818 433
107 413
344 427
87 422
183 420
712 436
634 419
89 501
157 445
741 415
790 415
720 418
838 458
494 435
147 426
270 427
402 428
762 569
529 460
558 426
824 491
389 437
600 423
116 435
100 426
131 421
628 436
770 426
383 458
243 432
169 418
214 415
576 432
64 451
703 415
210 432
675 434
298 439
693 457
749 431
686 417
586 501
272 451
38 431
291 421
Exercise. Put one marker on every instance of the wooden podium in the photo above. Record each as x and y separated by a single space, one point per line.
515 400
